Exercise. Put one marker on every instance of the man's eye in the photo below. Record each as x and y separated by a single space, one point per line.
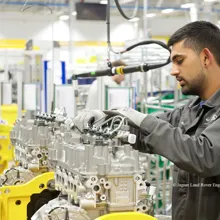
179 61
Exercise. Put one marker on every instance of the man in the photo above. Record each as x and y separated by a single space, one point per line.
189 136
114 81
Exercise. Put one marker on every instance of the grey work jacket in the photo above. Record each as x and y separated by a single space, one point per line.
189 137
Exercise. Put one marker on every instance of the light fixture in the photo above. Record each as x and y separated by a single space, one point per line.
104 2
209 0
134 19
167 11
150 15
74 13
64 17
187 5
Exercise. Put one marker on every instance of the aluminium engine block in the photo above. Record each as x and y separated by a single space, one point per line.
30 139
97 173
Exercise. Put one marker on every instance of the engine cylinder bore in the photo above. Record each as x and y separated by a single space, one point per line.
97 188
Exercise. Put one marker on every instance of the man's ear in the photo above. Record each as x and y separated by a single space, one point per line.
207 57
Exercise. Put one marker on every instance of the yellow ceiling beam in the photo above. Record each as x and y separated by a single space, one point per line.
12 43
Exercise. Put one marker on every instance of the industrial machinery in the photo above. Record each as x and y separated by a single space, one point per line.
30 139
97 172
22 201
8 116
6 149
30 184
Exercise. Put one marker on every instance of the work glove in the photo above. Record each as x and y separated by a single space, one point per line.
135 118
88 117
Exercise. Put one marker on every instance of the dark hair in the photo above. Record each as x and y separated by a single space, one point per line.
199 35
118 63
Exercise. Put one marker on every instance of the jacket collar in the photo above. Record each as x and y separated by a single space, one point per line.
212 102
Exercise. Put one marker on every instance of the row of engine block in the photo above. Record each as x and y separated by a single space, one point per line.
96 171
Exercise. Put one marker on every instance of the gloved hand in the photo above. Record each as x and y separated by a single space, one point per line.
134 117
88 117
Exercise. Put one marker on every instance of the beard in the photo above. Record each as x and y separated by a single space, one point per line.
195 86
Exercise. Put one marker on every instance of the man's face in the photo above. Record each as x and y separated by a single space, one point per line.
187 68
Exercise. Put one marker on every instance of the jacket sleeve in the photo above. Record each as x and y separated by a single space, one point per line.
199 155
172 117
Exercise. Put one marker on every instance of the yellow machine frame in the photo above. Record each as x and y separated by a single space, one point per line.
8 113
14 199
126 216
6 149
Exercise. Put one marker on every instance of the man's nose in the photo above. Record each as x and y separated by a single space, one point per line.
174 71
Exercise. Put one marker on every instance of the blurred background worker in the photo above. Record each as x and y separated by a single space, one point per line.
113 81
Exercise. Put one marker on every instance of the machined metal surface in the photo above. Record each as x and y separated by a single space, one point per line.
97 172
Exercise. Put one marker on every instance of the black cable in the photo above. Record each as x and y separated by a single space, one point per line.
108 27
148 42
131 47
110 49
144 67
34 5
62 208
122 12
6 179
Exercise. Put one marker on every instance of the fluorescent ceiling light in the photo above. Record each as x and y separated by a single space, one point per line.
209 0
150 15
187 5
74 13
64 17
104 2
166 11
134 19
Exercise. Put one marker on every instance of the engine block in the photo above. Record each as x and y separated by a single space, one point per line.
30 139
98 171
